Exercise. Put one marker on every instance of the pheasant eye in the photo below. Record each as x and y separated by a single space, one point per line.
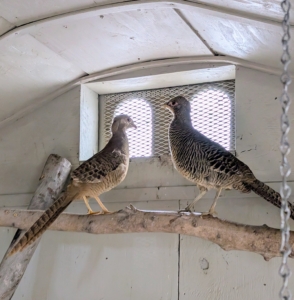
174 102
129 119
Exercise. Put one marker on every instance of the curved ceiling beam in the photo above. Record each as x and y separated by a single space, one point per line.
134 5
136 67
180 61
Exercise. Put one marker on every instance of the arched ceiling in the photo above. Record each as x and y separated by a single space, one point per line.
46 47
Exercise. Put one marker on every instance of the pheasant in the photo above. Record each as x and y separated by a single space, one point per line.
208 164
97 175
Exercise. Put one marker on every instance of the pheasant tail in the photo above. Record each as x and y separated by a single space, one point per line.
46 219
269 194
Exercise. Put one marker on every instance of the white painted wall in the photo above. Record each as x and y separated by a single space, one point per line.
88 123
26 144
145 266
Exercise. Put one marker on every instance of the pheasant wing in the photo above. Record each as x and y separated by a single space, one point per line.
99 166
222 161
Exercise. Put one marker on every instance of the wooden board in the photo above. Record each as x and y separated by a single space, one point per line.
84 266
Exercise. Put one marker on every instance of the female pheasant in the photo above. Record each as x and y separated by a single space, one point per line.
97 175
208 164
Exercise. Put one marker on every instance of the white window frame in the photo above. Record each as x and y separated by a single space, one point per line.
142 79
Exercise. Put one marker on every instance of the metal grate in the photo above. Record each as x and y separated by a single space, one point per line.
213 114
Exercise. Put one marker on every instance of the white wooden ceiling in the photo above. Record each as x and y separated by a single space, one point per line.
46 45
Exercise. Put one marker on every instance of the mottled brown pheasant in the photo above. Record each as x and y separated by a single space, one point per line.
208 164
97 175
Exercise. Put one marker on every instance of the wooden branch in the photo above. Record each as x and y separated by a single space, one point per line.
228 235
52 180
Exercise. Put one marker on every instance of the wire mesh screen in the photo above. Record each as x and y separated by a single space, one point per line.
212 112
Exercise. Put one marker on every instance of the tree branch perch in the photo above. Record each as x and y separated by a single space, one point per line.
51 182
228 235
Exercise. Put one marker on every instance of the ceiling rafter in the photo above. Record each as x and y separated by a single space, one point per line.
135 67
176 5
185 20
133 5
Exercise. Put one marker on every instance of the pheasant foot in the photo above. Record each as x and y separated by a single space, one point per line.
187 209
211 212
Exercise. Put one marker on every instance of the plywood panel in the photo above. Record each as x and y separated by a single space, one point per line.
113 40
28 71
19 12
233 275
264 8
4 25
258 114
26 144
240 37
118 266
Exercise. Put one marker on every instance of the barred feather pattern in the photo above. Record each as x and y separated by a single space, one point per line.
97 175
40 226
207 163
270 195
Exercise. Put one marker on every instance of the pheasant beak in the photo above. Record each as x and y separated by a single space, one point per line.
133 125
166 105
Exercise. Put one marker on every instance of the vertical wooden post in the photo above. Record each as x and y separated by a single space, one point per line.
52 180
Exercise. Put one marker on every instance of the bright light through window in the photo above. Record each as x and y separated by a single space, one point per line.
140 139
211 115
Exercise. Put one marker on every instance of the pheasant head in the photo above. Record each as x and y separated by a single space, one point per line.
180 108
122 122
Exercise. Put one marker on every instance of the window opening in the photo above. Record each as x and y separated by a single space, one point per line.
211 111
140 139
213 114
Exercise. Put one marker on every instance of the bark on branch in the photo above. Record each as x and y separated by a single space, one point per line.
228 235
51 181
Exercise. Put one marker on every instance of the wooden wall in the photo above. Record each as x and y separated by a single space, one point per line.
146 266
